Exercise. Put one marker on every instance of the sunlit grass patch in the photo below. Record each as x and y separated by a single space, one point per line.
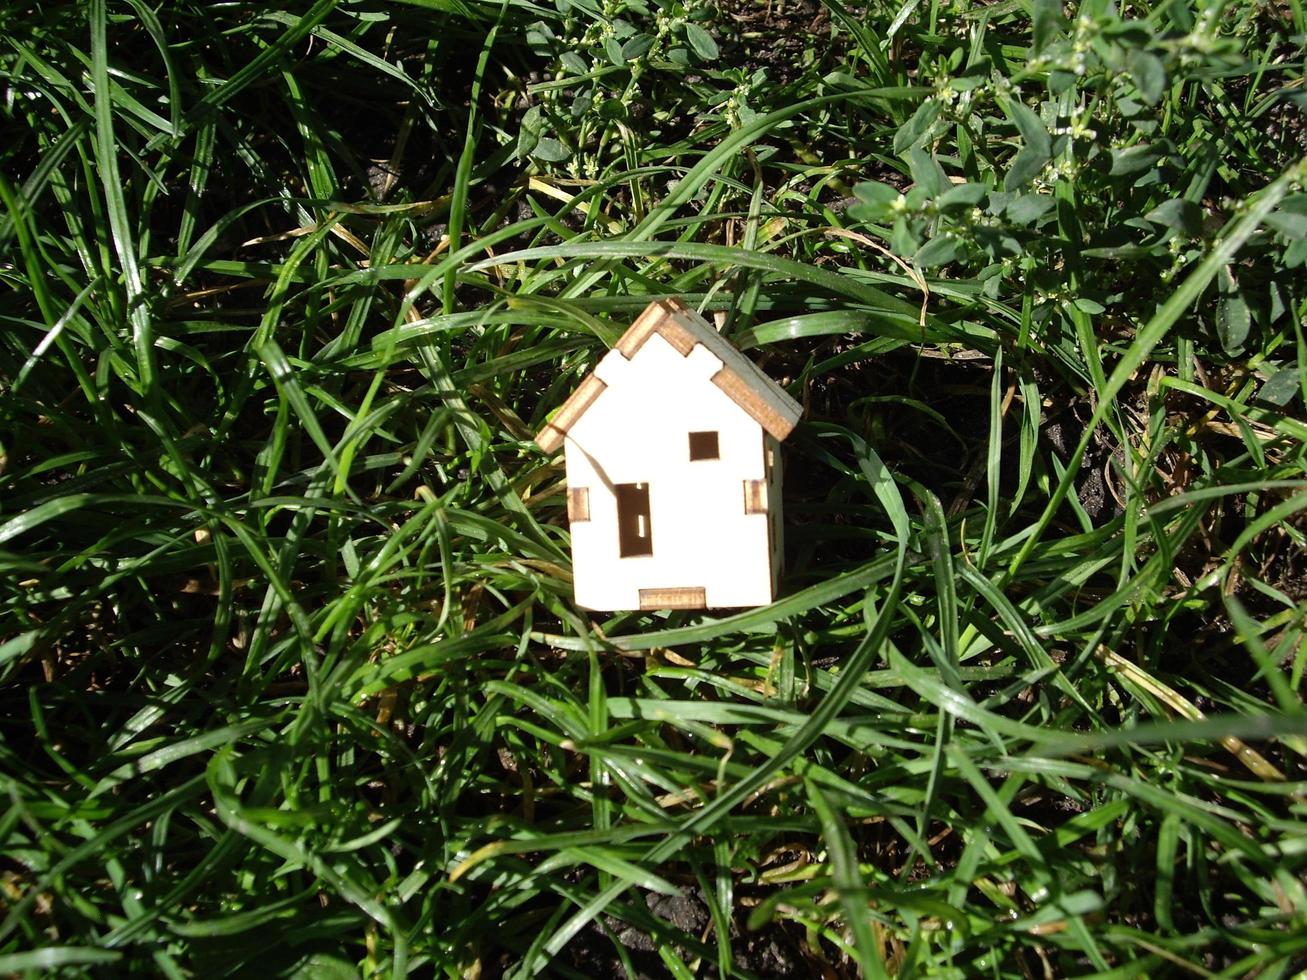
291 675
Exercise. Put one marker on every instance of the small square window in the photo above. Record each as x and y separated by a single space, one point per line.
703 445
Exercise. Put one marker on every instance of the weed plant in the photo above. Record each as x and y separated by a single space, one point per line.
290 677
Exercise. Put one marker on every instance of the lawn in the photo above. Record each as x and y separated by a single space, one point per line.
291 679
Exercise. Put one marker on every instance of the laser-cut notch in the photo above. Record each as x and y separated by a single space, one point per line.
678 336
578 504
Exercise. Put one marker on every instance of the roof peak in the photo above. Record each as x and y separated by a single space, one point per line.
684 329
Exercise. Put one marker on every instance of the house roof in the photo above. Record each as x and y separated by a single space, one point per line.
683 328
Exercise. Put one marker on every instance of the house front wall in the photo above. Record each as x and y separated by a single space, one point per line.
637 432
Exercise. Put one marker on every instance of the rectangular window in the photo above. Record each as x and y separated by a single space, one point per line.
634 536
703 445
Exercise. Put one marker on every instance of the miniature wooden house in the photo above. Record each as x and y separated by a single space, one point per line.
673 470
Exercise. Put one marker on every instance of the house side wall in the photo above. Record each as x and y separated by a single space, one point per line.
638 432
776 510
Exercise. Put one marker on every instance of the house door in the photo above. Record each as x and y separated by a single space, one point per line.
634 536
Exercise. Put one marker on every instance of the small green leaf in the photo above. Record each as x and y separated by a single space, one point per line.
903 239
528 133
19 645
1290 225
1280 388
1030 126
1025 166
938 251
874 192
1232 321
876 200
1177 214
1048 22
550 150
962 196
1277 307
1086 305
1294 203
323 966
637 47
54 957
702 42
1132 32
613 49
918 197
574 63
926 172
1133 159
912 131
540 40
1148 74
1029 207
1059 81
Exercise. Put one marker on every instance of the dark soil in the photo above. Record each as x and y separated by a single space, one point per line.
774 36
770 952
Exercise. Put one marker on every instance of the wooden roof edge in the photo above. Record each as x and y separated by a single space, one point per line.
651 319
782 411
549 438
741 391
655 318
683 327
552 433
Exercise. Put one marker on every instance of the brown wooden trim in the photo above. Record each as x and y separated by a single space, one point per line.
695 598
678 336
644 327
551 435
743 394
683 328
549 438
755 496
578 504
659 317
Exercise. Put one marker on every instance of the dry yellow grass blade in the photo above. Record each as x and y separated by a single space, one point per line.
1253 760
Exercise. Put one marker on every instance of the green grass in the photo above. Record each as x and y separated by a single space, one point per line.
290 677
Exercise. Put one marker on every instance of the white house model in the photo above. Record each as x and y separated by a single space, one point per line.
673 470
